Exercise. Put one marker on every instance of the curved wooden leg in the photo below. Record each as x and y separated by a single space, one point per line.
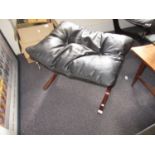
104 100
50 81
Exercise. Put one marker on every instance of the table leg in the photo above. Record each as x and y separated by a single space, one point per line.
139 72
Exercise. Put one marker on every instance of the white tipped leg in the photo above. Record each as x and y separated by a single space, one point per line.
104 100
100 112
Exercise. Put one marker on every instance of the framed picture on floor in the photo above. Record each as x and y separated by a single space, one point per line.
8 88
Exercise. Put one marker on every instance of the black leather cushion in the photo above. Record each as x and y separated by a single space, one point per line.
80 53
146 23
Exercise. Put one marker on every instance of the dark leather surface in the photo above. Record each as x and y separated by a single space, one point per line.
80 53
146 23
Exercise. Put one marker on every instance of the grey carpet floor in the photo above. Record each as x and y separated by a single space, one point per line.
70 106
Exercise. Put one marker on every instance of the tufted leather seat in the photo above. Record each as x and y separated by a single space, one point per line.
80 53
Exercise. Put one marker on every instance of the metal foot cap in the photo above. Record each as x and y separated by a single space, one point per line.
100 112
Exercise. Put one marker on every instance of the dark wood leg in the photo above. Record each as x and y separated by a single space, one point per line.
50 81
104 100
139 72
116 26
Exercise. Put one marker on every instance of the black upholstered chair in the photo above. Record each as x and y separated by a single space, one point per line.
79 53
146 26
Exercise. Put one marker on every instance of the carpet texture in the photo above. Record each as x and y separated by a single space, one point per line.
70 106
